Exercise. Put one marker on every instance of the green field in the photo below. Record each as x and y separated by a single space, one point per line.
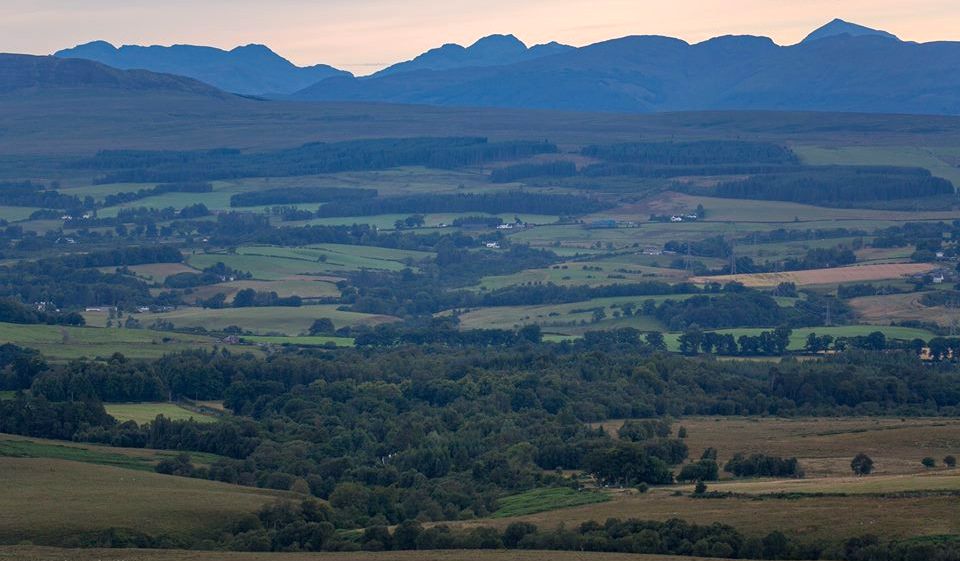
278 263
129 458
541 500
142 413
306 340
63 343
574 317
799 337
281 320
919 156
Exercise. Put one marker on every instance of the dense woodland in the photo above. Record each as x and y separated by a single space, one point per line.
310 159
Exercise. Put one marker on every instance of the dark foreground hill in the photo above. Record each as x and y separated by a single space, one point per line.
50 74
840 67
250 69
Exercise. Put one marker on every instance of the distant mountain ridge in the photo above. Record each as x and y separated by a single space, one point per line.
250 69
493 50
47 73
840 67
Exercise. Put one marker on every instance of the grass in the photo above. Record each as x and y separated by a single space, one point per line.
65 343
798 338
304 340
278 263
142 413
52 501
8 394
264 321
541 500
140 459
33 553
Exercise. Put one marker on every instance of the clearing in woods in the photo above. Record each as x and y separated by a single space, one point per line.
142 413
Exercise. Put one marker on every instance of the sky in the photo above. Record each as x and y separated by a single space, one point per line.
365 35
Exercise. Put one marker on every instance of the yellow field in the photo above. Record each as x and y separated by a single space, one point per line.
857 273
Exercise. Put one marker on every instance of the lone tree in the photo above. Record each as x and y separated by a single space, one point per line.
928 462
861 464
950 461
701 488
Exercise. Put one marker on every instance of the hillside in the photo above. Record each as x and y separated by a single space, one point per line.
843 67
45 74
250 69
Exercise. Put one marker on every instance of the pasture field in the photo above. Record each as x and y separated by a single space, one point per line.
575 317
799 336
48 501
278 263
579 273
306 287
541 500
7 394
303 340
142 413
431 220
825 446
934 159
16 213
264 321
65 343
836 275
558 317
33 553
155 272
142 459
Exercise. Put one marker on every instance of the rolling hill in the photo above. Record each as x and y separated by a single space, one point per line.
249 70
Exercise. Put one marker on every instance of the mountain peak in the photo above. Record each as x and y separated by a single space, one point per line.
841 27
499 42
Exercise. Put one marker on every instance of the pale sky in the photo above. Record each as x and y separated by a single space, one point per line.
365 35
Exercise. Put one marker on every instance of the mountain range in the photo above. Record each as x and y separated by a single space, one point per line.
249 70
839 67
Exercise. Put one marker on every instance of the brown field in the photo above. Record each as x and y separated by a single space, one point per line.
29 553
882 309
825 446
858 273
816 518
48 501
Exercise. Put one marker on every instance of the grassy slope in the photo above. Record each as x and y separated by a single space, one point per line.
145 412
15 446
47 501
